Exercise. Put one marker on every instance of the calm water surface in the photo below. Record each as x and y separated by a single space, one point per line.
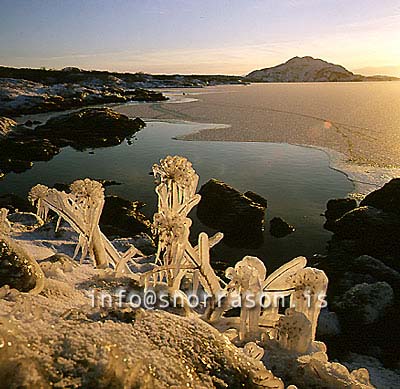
296 181
359 119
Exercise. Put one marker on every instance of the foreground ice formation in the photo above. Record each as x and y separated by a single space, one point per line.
80 340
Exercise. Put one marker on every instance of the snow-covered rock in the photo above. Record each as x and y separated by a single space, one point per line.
365 303
381 377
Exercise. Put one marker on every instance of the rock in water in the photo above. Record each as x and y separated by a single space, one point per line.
279 228
89 128
256 198
387 198
122 218
17 154
18 269
336 208
224 208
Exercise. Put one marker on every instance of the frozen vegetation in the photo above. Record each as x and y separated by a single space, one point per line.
63 334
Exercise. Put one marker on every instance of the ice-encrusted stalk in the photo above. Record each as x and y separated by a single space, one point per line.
176 198
82 210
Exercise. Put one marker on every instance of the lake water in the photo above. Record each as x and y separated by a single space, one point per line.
296 181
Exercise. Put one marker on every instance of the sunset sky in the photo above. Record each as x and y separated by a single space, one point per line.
199 36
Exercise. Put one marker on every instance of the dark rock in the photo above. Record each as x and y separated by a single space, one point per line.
336 208
61 186
375 231
146 95
256 198
7 126
142 242
366 264
15 203
17 154
107 183
363 264
16 267
122 218
350 279
15 165
387 198
224 208
279 228
56 262
29 123
25 219
365 303
89 128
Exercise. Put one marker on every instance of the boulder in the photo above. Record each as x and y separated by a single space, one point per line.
89 128
336 208
349 279
17 154
15 203
366 264
256 198
56 264
375 231
141 241
121 217
17 269
145 95
279 228
6 126
365 303
227 210
25 221
386 198
15 166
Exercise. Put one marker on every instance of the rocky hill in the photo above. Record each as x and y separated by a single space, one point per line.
309 69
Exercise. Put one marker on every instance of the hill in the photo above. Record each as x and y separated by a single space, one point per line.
309 69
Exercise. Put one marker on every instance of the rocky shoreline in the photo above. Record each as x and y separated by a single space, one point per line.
363 266
21 145
21 97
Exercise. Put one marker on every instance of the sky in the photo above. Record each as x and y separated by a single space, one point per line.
199 36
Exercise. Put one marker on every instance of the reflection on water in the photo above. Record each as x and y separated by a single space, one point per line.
296 181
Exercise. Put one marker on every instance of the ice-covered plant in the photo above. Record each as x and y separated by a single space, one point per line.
175 255
294 331
262 378
5 226
247 280
310 287
81 208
